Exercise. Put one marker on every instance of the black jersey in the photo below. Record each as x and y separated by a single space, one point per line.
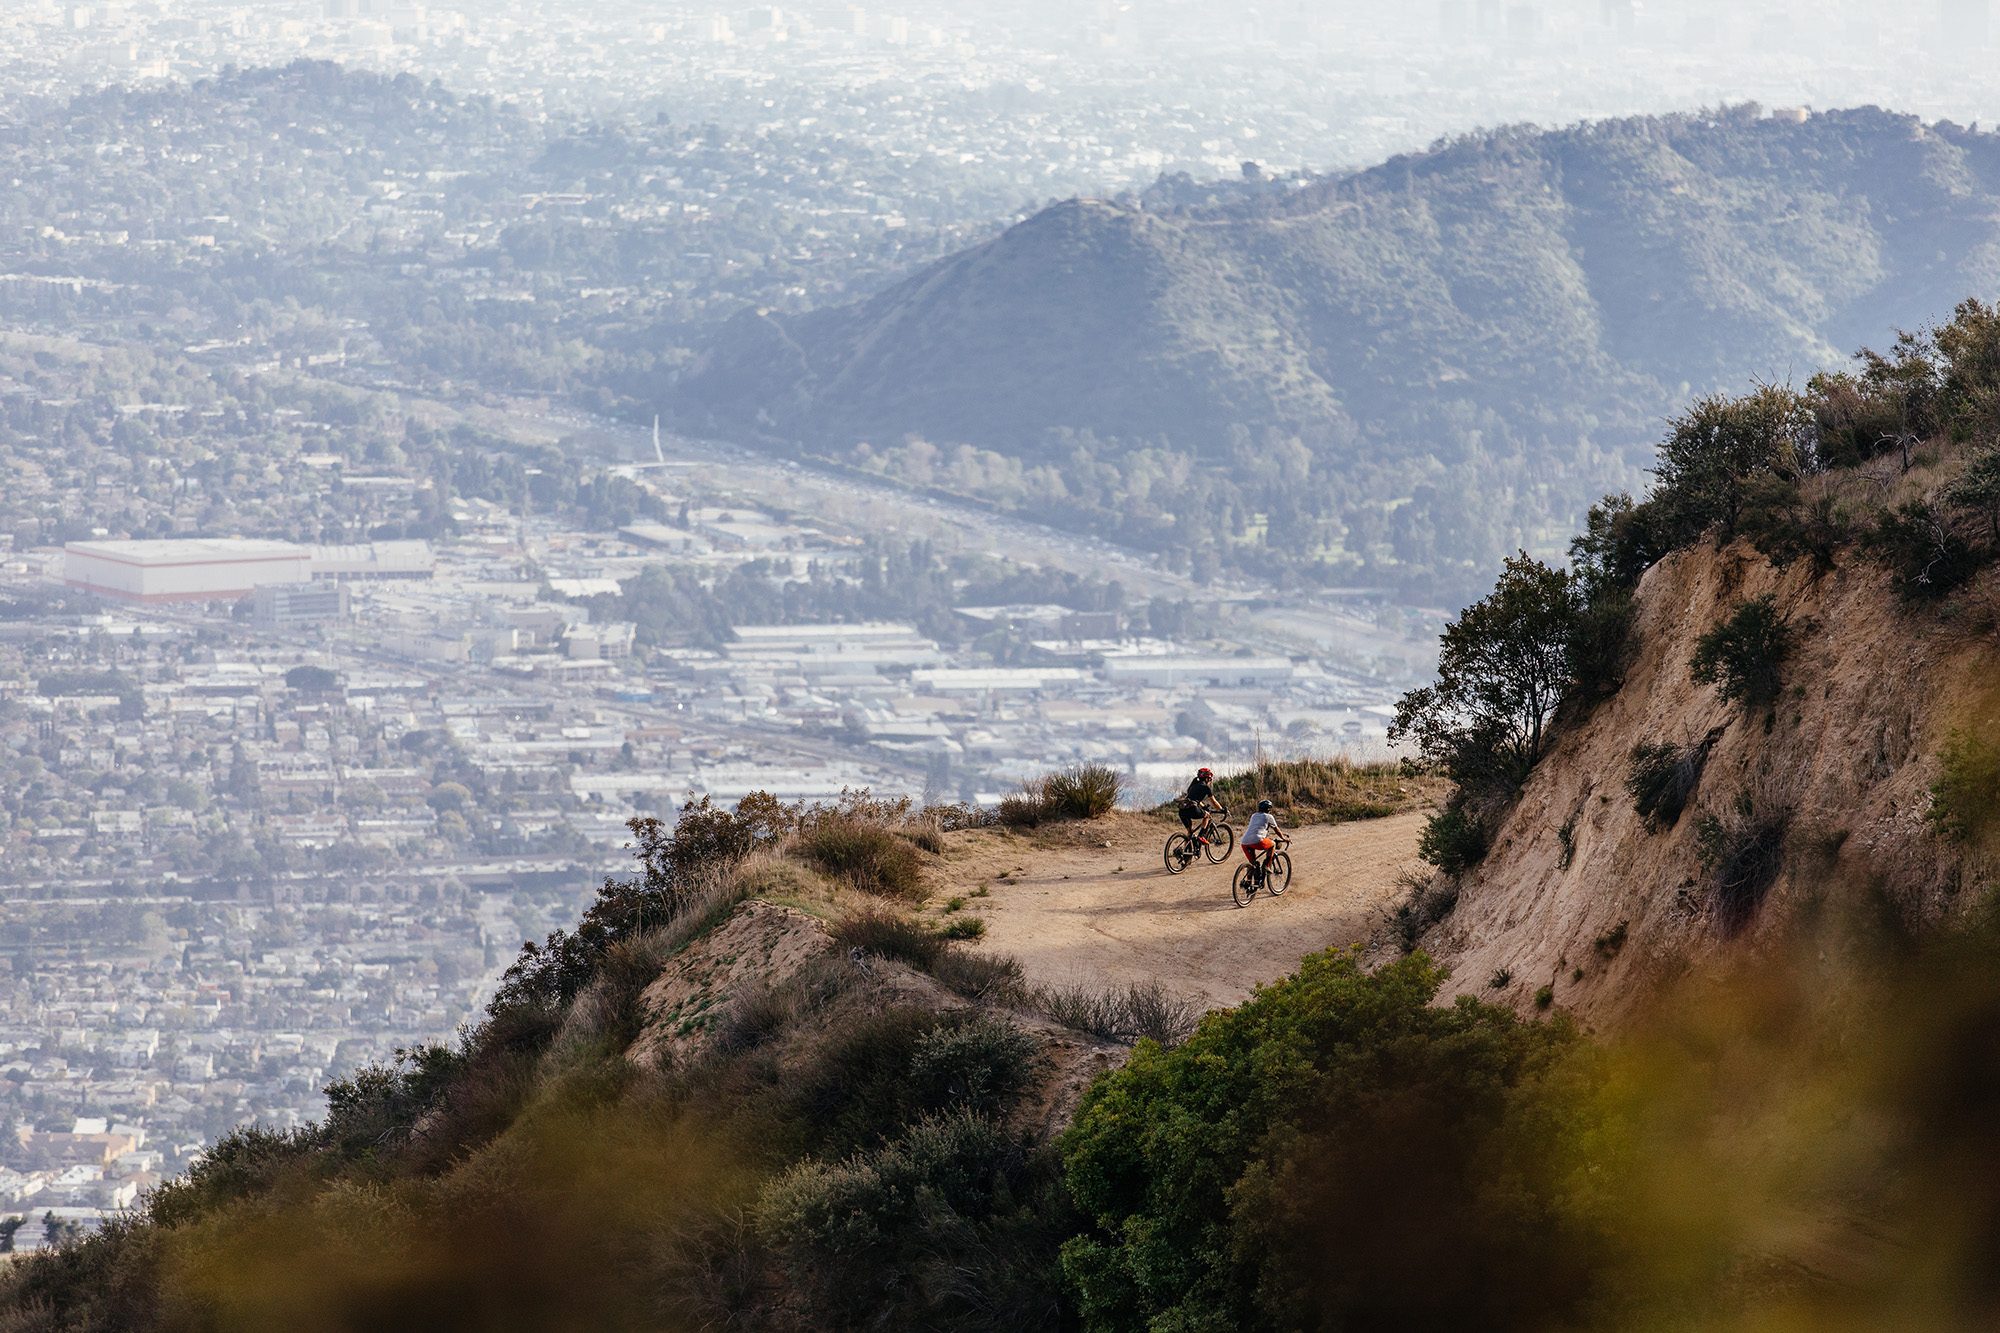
1199 792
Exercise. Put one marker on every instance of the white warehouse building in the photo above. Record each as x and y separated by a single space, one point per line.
213 569
183 569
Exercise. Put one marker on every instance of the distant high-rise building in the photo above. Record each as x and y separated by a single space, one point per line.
1966 25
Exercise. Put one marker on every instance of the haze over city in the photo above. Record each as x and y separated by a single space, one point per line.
438 435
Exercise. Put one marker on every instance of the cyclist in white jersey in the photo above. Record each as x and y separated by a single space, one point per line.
1262 837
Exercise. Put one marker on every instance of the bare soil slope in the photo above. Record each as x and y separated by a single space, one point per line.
1093 903
1843 766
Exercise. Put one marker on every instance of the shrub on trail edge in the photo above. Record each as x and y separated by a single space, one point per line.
1453 840
1340 1153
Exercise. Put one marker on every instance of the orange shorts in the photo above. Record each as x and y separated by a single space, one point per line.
1250 849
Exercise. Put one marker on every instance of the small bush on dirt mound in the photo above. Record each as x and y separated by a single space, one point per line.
1088 791
871 857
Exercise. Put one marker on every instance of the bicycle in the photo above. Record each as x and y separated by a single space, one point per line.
1272 876
1184 848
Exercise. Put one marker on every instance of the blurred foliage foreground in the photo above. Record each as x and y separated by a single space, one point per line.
1803 1141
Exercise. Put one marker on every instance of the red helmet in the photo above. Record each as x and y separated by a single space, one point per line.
1204 773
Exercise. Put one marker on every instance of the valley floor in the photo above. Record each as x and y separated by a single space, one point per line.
1093 903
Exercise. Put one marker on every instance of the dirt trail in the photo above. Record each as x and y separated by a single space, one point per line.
1073 908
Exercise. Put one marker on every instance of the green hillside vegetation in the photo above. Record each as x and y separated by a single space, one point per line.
1316 382
856 1144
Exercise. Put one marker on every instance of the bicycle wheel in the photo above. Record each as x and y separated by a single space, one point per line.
1279 877
1244 886
1221 841
1180 853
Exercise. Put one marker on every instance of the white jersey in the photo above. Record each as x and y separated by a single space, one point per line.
1260 827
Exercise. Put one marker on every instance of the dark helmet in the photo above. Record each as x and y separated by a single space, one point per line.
1263 807
1204 772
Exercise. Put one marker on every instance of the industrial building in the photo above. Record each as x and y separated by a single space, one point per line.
203 569
184 569
295 605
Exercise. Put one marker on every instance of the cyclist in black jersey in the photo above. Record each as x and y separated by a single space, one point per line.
1198 802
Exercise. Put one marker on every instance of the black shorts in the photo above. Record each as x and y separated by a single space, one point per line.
1191 815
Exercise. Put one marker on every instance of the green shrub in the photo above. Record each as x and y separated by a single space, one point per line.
1663 780
1786 528
1612 942
974 1063
1544 996
1923 551
1453 840
1965 798
950 1225
963 928
867 855
1338 1153
1744 656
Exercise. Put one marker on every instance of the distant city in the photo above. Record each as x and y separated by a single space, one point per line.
276 809
331 672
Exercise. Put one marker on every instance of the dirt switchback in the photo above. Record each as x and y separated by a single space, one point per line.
1092 903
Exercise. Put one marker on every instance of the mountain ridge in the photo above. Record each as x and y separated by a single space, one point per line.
1507 314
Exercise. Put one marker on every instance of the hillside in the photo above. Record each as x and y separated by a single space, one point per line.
1776 696
1842 774
1504 317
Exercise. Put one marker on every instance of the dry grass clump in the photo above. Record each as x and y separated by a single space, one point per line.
1087 791
872 857
1120 1013
1330 790
885 934
1663 780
